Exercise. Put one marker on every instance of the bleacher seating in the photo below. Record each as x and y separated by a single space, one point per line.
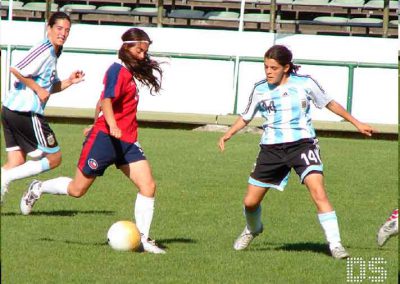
292 16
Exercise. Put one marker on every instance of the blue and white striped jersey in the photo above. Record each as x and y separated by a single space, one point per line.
40 64
286 108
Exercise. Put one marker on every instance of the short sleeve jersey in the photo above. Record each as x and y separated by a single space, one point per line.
40 64
120 87
286 108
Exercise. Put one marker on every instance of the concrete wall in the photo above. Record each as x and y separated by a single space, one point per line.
206 86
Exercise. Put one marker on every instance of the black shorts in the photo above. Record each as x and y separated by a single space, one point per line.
29 132
274 163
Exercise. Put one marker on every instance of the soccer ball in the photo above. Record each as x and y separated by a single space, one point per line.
124 236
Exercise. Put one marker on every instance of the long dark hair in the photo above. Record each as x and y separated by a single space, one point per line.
141 70
283 56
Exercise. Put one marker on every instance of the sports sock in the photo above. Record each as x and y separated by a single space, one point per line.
253 219
56 186
27 169
330 226
144 209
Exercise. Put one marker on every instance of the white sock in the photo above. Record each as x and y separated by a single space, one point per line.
330 226
56 186
27 169
144 209
253 219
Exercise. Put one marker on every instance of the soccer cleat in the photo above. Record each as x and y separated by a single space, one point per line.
245 238
150 245
387 230
339 252
29 198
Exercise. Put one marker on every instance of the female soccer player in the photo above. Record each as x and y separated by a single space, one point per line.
288 141
113 137
26 130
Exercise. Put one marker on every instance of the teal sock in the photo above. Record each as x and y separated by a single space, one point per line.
253 219
330 226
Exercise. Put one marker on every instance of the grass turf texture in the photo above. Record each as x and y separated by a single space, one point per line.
199 214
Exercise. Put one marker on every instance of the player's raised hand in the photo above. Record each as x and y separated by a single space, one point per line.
77 76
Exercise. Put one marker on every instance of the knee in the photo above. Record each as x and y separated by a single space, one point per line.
76 191
148 189
250 203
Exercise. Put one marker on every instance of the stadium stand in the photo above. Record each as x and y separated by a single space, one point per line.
357 17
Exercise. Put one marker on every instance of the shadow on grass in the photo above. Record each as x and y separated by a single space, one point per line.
162 242
297 247
73 242
62 213
312 247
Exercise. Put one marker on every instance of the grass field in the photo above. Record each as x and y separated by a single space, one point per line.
199 214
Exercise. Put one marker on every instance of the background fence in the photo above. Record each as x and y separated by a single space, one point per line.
199 68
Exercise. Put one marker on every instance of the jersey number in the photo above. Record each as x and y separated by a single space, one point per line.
271 107
312 155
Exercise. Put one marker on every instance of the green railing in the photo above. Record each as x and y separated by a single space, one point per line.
349 64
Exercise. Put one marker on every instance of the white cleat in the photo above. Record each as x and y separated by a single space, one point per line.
29 198
388 230
150 246
245 238
339 252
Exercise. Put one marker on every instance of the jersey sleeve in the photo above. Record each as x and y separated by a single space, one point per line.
319 97
33 61
113 82
251 108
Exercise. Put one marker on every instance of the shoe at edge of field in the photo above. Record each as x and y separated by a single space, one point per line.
29 198
387 230
245 238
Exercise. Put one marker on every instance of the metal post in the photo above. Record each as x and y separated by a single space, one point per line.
350 85
160 10
8 57
272 16
385 18
237 57
48 10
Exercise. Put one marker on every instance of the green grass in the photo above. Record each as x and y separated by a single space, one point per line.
199 214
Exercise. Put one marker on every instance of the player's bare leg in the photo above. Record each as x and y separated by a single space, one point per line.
326 214
140 174
252 212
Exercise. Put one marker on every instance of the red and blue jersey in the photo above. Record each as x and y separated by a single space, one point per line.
120 87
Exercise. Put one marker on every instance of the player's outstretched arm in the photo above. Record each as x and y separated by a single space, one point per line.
239 124
75 78
339 110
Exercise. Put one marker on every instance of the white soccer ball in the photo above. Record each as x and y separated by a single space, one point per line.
124 236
